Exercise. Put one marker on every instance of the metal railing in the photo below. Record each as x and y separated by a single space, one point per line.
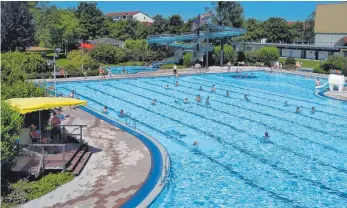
165 177
130 121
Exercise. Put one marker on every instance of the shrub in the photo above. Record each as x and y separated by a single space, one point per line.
21 89
187 59
24 190
138 49
170 66
290 61
335 62
75 60
319 70
268 54
251 57
229 54
20 66
107 54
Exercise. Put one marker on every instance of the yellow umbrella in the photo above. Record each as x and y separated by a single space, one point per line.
28 105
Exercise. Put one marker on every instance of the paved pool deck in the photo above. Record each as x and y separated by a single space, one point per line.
117 169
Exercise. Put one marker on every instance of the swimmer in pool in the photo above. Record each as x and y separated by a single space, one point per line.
200 88
154 101
196 143
246 97
266 135
105 109
166 86
176 84
297 110
313 110
213 88
317 82
227 94
121 113
198 98
208 100
185 100
285 103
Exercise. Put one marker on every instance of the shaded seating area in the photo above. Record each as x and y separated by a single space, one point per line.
49 147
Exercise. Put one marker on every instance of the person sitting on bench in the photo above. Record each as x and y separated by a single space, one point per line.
35 135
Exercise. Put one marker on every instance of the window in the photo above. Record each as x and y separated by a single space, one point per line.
124 17
144 17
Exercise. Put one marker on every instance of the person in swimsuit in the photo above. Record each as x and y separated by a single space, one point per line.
185 100
213 88
266 135
198 98
196 143
313 110
297 110
166 86
154 101
176 84
105 109
200 88
227 94
121 113
246 97
285 103
208 100
317 82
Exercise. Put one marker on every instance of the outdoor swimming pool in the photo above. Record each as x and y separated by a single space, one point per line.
302 164
130 69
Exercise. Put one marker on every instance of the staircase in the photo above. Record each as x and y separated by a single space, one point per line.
78 161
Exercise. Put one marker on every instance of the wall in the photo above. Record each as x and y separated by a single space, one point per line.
325 39
142 18
331 18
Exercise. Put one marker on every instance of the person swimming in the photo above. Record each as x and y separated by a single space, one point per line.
213 88
196 143
266 135
297 110
154 101
121 113
198 98
176 84
105 109
200 88
185 100
317 82
166 86
208 100
246 97
285 103
313 110
227 94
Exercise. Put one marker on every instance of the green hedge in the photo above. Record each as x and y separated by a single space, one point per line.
335 63
170 66
24 190
320 71
290 61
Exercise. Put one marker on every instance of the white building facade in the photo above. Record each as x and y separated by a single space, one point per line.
136 15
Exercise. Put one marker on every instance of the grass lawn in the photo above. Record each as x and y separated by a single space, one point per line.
306 63
61 62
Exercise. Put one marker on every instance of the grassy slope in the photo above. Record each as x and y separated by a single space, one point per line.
305 62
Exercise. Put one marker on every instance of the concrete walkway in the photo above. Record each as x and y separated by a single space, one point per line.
117 169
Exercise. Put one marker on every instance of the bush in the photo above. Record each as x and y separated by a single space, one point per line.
21 89
251 57
320 71
170 66
107 54
290 61
229 54
187 59
75 60
20 66
24 190
138 49
268 54
336 63
241 57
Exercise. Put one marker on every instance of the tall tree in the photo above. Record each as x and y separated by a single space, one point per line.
297 31
276 30
227 13
122 30
175 24
70 27
17 26
160 25
254 29
142 31
309 27
188 25
91 20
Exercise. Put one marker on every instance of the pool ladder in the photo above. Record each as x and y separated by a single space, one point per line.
166 176
130 121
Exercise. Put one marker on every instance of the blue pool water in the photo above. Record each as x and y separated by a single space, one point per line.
130 69
302 164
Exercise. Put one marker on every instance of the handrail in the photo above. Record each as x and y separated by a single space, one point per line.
166 169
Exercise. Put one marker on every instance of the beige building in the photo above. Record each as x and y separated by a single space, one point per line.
331 24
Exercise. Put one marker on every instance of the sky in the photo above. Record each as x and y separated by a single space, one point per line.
290 11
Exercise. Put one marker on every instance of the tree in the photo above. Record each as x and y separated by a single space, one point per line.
107 54
227 13
17 26
91 20
276 30
160 25
75 60
254 30
297 31
309 28
251 56
122 30
70 27
188 25
142 31
139 48
175 24
229 54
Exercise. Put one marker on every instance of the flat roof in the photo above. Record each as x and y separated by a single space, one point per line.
302 46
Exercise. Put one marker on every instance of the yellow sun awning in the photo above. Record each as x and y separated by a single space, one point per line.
28 105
